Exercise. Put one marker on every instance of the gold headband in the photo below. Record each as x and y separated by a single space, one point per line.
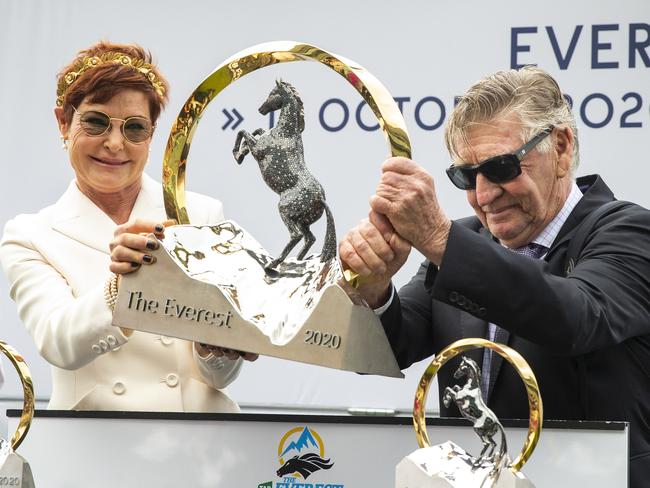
86 63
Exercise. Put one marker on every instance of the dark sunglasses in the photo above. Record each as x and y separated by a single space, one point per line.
497 169
135 129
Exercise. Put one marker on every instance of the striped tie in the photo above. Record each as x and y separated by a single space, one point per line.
533 251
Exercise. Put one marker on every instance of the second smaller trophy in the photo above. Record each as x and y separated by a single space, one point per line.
14 469
447 465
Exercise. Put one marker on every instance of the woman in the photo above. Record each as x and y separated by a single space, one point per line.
63 262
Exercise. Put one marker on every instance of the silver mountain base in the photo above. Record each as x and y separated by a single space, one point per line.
212 284
449 466
15 472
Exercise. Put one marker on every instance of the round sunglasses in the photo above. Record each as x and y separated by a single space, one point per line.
497 169
135 129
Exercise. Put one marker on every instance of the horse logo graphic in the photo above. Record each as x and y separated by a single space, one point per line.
304 465
307 452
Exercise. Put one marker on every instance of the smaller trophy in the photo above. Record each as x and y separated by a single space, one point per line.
450 466
14 469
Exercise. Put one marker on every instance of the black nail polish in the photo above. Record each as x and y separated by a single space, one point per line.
151 245
134 265
147 258
159 228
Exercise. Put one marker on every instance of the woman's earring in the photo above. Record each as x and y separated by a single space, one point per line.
64 143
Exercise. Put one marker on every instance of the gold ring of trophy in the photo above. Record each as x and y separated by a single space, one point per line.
28 393
259 56
514 358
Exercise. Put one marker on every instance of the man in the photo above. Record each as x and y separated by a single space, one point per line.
583 327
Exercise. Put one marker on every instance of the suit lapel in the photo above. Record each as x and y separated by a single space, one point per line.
596 193
77 217
149 204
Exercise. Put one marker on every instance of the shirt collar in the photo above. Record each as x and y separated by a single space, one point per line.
550 232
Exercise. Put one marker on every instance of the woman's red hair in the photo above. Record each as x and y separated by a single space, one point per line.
100 84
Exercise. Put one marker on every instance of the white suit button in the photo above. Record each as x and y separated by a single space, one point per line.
119 388
171 380
111 340
96 349
103 344
166 340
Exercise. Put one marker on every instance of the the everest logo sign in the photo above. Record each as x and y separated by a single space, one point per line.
301 452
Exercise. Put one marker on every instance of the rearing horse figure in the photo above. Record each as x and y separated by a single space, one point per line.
469 401
280 155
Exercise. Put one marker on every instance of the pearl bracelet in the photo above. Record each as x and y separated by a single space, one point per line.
110 291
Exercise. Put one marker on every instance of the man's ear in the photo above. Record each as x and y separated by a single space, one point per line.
60 120
563 143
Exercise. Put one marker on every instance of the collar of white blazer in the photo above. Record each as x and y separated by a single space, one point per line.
80 219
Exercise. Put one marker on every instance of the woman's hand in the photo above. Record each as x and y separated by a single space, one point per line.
205 349
131 247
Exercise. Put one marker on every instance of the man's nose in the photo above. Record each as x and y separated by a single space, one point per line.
486 191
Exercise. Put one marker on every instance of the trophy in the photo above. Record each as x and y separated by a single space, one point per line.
216 284
448 465
14 469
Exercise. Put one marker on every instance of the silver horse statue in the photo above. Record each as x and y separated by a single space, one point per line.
280 155
469 401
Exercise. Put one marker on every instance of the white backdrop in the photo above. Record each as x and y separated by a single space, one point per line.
424 52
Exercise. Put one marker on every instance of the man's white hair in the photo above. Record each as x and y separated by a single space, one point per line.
530 94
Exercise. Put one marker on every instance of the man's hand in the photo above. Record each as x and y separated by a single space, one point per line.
374 250
406 195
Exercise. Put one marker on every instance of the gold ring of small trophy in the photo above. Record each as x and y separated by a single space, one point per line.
515 359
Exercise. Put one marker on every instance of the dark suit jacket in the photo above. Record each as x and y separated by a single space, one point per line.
586 336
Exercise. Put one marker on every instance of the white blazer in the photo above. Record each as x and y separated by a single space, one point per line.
57 263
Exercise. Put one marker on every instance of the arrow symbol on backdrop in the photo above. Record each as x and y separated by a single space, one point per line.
229 118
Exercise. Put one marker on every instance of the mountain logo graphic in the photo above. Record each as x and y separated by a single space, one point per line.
301 452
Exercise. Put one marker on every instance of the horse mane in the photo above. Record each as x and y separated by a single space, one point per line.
290 88
472 366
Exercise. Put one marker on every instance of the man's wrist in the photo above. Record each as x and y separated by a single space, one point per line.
434 248
379 310
376 296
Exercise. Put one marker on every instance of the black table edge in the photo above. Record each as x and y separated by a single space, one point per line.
307 418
